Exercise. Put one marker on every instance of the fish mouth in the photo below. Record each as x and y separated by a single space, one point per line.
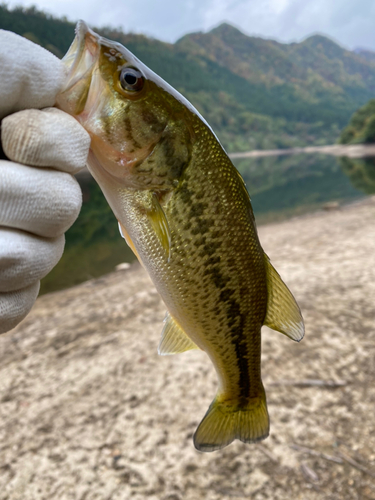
83 83
81 56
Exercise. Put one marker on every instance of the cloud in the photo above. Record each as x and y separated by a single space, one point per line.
350 23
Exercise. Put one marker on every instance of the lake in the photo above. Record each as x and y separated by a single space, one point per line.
280 187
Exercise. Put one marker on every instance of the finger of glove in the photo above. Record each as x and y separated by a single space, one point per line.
14 306
47 138
30 76
25 258
41 201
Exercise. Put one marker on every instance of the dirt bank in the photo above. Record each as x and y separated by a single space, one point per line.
89 411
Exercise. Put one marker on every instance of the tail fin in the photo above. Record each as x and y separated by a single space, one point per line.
225 422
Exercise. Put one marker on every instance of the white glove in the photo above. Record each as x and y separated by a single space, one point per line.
37 205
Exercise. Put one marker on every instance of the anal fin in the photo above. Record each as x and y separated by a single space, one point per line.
173 339
283 313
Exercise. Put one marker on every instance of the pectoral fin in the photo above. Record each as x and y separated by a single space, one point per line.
283 313
173 339
160 224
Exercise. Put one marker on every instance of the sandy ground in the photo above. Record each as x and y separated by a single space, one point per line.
90 411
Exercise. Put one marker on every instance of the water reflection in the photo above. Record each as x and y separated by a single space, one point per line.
284 186
361 172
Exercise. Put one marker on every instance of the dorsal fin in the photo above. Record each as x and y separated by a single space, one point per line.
283 313
173 339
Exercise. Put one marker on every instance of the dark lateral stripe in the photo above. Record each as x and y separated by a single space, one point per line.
239 341
241 348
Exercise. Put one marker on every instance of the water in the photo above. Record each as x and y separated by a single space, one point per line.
284 186
280 187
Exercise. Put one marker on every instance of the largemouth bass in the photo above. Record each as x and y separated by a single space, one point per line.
184 210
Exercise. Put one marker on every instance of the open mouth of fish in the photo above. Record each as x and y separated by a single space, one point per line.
83 85
81 56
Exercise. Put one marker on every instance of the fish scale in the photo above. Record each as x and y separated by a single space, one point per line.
234 231
184 210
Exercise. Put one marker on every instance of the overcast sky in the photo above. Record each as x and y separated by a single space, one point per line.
349 22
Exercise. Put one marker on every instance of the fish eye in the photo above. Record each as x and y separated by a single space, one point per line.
131 79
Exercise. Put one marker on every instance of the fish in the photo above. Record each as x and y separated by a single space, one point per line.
184 210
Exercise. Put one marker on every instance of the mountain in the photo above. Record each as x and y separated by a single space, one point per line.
309 81
54 34
369 55
256 93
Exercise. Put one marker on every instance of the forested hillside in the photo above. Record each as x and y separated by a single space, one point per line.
255 93
361 127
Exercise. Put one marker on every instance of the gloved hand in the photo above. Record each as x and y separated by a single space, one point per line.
37 205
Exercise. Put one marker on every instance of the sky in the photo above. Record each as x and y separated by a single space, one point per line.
348 22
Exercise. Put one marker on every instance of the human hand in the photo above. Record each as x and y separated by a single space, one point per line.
37 205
